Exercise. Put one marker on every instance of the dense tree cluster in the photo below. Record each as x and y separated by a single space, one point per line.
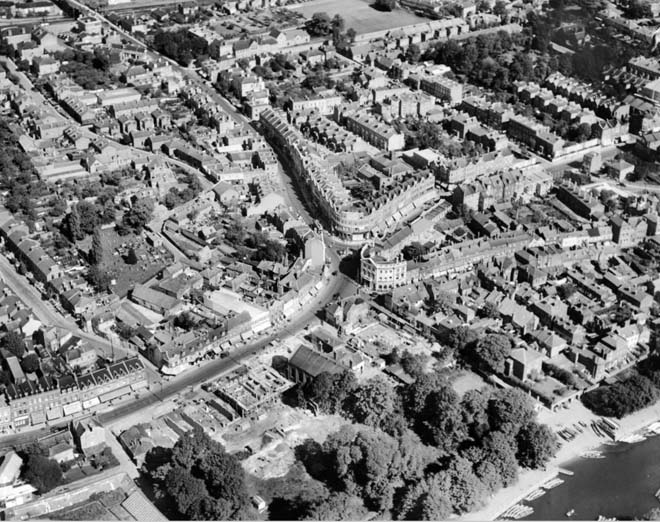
202 480
85 217
176 196
13 343
136 217
425 134
621 398
17 175
463 448
588 60
486 60
255 245
385 5
180 45
320 24
40 471
89 70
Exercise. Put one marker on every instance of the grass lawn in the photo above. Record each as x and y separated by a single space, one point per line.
359 14
466 381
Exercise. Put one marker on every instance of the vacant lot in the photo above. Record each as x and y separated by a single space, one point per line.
359 14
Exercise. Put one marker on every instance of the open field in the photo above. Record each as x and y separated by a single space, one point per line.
359 14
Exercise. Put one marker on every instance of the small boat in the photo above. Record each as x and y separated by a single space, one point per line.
565 471
553 483
592 455
535 494
614 425
570 513
596 429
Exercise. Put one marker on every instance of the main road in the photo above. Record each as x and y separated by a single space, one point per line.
339 284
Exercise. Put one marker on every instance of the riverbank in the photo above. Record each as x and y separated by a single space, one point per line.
531 480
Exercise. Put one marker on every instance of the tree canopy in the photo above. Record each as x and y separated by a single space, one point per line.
43 473
536 445
13 342
621 398
202 479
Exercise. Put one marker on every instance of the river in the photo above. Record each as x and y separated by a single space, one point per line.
622 485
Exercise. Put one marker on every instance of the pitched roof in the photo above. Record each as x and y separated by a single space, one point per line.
313 363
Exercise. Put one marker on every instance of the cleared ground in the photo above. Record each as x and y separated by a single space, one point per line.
359 14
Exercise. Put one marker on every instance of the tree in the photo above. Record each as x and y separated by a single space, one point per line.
185 320
490 352
474 405
89 217
413 53
14 344
351 34
184 488
537 444
319 25
201 478
370 402
364 462
337 24
139 214
626 396
43 473
435 505
583 132
500 8
330 391
441 422
509 410
96 252
464 489
99 278
338 506
500 452
420 500
460 337
131 257
74 230
385 5
413 364
57 207
414 395
566 290
30 363
489 310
